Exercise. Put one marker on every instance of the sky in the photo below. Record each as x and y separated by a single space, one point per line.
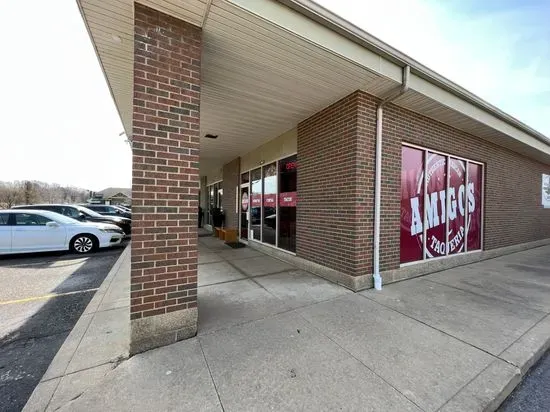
60 125
59 121
496 49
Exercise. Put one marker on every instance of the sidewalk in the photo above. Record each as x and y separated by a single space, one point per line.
272 337
97 343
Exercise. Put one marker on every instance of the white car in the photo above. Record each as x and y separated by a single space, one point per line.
23 231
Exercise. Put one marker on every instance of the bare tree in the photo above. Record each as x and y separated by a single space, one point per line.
10 194
32 192
29 192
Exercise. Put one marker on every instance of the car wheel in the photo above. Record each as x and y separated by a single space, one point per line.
83 244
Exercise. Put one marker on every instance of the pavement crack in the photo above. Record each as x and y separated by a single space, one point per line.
430 326
359 360
211 376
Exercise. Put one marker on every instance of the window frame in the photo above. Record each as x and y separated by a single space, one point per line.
448 157
261 166
9 220
30 214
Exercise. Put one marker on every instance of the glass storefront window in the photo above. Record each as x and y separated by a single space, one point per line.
287 203
412 201
456 206
447 210
214 194
270 204
220 195
244 205
256 204
211 203
436 205
474 206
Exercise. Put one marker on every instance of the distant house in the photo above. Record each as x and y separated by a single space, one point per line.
113 196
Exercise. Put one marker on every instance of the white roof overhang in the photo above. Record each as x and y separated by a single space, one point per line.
268 64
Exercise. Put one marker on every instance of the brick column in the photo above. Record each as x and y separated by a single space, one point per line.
231 179
334 222
165 183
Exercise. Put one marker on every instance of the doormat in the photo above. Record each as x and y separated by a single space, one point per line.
235 245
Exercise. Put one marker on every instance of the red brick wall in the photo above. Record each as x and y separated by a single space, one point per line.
165 164
335 187
336 151
513 211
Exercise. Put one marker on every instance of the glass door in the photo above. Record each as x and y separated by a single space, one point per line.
287 203
245 211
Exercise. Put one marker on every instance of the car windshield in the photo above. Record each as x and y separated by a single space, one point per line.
89 212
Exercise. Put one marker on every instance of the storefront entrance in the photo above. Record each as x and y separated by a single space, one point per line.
268 204
245 208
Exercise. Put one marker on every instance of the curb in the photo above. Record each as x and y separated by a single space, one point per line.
488 390
58 369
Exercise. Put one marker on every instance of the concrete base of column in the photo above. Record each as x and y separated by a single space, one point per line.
160 330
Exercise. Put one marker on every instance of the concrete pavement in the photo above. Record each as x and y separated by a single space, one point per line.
95 346
42 297
272 337
533 394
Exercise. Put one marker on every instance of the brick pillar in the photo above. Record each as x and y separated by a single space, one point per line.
231 178
334 222
165 184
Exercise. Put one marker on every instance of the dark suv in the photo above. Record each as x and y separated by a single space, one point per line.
83 214
107 210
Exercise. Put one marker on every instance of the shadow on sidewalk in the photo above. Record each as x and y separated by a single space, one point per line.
26 353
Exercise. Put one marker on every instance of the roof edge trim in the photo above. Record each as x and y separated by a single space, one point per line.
343 27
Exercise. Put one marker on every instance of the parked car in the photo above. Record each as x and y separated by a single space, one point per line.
83 214
108 210
23 231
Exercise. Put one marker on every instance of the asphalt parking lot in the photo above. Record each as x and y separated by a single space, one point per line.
41 298
533 394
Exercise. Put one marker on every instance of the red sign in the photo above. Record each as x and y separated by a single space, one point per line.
287 199
474 206
270 200
444 201
256 200
457 206
244 202
412 192
290 165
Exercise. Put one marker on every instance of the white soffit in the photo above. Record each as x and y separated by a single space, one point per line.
259 80
459 113
266 67
110 24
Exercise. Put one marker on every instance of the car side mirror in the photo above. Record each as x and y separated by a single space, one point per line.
52 224
81 216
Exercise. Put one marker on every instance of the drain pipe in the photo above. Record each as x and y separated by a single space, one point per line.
378 173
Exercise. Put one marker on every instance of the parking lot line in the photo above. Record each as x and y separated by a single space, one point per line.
44 297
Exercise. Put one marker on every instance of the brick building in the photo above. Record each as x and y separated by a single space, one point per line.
322 145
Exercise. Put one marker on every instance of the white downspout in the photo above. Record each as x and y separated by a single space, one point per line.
378 173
